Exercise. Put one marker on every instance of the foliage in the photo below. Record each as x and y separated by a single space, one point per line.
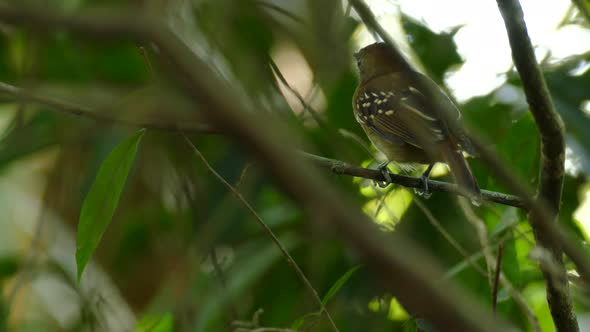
181 251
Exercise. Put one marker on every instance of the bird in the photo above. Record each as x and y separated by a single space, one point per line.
409 118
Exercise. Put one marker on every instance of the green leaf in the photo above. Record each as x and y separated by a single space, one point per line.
437 51
156 323
339 283
297 323
331 292
9 265
103 197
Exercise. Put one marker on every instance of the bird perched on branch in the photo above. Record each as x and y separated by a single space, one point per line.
408 117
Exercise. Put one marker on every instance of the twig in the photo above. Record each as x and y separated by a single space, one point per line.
434 222
102 115
497 272
482 233
36 242
314 114
253 323
381 204
480 254
552 169
472 261
146 58
280 10
343 168
269 231
571 245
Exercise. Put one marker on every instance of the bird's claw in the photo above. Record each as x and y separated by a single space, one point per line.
424 191
385 173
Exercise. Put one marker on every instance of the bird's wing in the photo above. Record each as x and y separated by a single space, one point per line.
449 113
398 113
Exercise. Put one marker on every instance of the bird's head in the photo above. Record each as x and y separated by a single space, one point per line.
377 59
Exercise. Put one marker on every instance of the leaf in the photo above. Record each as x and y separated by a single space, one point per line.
297 323
331 292
339 283
156 323
103 198
437 51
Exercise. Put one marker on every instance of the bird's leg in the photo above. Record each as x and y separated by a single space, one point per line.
385 172
424 179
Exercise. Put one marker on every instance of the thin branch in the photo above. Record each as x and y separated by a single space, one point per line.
268 231
343 168
497 273
437 225
482 232
552 169
146 58
36 248
280 10
472 260
314 114
101 115
381 204
571 245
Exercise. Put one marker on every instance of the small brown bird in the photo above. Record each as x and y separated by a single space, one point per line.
406 122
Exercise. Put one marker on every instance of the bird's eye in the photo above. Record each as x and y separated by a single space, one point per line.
358 59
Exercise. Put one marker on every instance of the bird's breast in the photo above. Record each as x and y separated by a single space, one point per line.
397 151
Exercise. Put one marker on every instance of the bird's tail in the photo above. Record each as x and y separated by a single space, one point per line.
461 171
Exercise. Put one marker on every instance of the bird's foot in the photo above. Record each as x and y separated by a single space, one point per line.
423 190
385 172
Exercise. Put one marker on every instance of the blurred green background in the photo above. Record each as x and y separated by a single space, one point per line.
181 253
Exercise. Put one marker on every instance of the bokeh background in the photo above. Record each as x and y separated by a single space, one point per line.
181 253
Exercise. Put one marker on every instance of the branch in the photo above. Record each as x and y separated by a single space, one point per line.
336 166
101 115
341 167
497 273
482 233
552 157
403 267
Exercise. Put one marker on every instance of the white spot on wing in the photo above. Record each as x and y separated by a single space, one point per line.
418 112
414 90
